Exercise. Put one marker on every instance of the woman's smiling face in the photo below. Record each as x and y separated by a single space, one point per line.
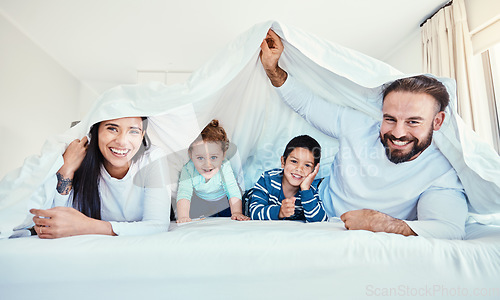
119 141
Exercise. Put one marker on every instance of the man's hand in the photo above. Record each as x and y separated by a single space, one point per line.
372 220
271 49
287 208
306 183
66 221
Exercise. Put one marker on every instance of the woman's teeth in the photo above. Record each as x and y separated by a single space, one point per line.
119 152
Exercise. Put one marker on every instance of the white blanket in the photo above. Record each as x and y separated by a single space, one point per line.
233 88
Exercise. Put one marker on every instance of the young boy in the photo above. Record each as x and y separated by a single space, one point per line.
290 193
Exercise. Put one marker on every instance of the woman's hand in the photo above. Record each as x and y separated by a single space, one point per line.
239 216
74 155
66 221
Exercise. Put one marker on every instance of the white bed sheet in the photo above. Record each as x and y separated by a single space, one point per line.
218 258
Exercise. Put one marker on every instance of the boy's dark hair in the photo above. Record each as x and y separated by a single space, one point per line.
304 141
421 84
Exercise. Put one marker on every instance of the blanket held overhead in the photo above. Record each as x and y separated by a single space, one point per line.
233 88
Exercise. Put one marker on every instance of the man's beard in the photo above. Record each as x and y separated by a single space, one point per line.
397 156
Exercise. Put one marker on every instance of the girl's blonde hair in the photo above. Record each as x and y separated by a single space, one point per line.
213 133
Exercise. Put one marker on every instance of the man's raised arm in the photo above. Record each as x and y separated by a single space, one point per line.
271 49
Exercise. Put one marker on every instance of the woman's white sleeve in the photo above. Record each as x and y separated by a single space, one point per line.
156 192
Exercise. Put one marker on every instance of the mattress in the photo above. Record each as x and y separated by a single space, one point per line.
218 258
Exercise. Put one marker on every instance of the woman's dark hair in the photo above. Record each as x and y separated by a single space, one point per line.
86 197
306 142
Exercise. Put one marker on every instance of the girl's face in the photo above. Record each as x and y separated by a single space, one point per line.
119 141
207 158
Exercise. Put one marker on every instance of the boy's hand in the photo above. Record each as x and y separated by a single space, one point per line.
306 184
239 217
287 208
183 220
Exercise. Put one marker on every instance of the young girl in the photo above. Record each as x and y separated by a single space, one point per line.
112 185
211 178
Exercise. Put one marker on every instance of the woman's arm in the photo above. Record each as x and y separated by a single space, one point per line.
66 221
73 157
155 201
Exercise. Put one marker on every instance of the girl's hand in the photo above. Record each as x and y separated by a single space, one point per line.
183 220
287 208
66 221
183 206
306 183
239 216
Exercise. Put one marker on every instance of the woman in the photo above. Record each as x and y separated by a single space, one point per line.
113 185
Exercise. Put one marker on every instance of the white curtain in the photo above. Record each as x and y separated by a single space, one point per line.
447 52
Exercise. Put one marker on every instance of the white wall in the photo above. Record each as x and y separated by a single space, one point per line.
407 57
38 97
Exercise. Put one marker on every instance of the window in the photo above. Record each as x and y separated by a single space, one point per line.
487 80
494 54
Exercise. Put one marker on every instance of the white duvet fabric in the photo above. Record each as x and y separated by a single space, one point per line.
233 88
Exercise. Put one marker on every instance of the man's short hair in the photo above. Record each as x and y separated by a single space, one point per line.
304 141
421 84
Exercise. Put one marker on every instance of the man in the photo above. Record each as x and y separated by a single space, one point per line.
387 176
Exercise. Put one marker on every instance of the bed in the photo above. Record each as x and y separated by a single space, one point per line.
218 258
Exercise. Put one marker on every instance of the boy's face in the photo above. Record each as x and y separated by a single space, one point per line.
298 164
207 158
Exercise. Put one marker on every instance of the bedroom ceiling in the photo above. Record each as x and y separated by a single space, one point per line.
109 40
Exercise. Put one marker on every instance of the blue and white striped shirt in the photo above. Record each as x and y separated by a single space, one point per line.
266 196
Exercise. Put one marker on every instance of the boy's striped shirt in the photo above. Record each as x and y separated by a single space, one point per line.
266 196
